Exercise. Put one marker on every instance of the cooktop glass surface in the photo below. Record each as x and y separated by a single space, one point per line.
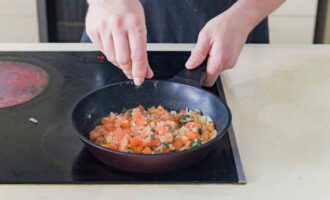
38 146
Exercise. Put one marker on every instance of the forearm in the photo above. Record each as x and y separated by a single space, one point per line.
251 12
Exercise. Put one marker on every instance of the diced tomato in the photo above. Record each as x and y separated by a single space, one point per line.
122 122
205 136
94 134
135 142
192 135
182 111
161 109
173 118
137 149
155 142
128 131
119 133
99 128
138 131
191 125
210 127
127 114
109 127
141 108
156 120
148 143
185 139
124 143
107 121
158 111
111 146
161 130
139 118
147 150
177 144
168 138
166 150
153 110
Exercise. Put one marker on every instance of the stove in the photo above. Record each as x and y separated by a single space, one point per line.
37 145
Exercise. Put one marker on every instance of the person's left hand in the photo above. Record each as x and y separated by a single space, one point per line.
222 40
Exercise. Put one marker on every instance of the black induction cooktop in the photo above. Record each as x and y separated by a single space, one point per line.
37 145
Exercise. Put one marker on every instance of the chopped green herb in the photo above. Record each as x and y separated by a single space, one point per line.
165 144
185 118
195 143
129 150
152 136
124 110
137 87
200 131
152 129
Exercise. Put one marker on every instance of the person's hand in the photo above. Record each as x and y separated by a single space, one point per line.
118 28
222 40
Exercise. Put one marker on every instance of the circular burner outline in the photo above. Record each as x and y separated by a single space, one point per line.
38 87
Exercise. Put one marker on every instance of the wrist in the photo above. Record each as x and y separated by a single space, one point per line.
251 12
243 24
246 14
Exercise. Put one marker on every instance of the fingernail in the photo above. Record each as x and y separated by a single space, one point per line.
190 63
137 81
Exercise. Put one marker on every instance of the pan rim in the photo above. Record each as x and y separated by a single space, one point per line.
220 134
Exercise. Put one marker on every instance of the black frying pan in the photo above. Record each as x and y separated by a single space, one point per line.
173 94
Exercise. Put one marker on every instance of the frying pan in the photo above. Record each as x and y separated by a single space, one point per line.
179 92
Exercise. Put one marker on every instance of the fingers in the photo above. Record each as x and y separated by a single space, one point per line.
108 26
128 51
200 52
150 73
96 39
122 51
212 71
218 61
109 49
139 58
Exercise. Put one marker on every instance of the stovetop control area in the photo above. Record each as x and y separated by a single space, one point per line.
38 146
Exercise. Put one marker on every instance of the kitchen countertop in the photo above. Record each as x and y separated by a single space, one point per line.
279 96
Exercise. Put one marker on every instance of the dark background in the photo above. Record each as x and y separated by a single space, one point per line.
66 20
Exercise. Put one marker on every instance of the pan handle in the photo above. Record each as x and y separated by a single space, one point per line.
194 77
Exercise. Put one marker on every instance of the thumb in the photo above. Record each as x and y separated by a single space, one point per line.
199 53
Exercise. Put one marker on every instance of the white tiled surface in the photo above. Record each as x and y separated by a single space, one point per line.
297 7
18 21
291 30
293 22
18 7
19 29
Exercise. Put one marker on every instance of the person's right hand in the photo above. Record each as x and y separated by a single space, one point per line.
118 28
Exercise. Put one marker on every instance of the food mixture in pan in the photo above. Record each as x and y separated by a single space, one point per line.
153 130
